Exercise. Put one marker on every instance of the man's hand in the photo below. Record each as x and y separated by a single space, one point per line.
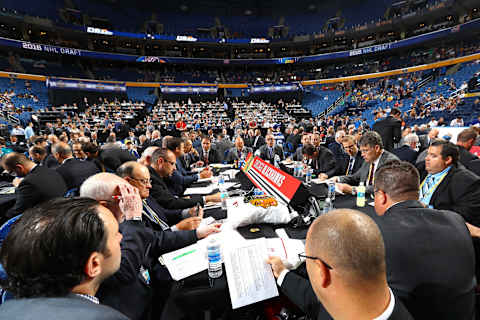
345 188
16 181
474 231
206 230
130 203
193 212
213 197
277 265
189 223
205 173
322 177
334 179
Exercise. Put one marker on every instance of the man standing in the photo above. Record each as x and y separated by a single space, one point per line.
345 257
258 140
56 258
390 129
239 152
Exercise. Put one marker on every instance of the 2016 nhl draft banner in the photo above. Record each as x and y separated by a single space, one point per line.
273 181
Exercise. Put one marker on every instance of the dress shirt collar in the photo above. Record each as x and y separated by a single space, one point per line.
437 175
388 312
378 160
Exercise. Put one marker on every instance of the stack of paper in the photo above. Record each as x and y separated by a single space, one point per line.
185 262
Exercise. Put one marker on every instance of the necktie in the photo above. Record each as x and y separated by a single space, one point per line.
371 174
270 153
350 166
205 157
429 183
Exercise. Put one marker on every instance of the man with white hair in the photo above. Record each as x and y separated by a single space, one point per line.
141 246
336 146
409 150
146 158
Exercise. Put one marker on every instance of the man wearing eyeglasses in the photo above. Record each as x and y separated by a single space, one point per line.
429 253
345 259
371 148
353 160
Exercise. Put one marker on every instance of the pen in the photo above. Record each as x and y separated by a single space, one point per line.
116 197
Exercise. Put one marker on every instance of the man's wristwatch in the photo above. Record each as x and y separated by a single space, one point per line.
354 191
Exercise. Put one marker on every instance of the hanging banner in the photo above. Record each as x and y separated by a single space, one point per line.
273 181
60 83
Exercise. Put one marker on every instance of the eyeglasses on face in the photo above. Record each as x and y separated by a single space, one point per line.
303 255
143 181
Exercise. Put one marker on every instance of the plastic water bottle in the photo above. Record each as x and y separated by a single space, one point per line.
214 259
361 195
299 169
224 197
308 176
276 161
327 206
221 183
331 190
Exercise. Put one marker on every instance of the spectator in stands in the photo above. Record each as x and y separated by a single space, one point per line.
446 186
465 141
238 152
345 257
56 258
16 145
207 154
457 122
409 150
320 159
390 129
270 151
371 148
73 171
162 166
29 131
39 183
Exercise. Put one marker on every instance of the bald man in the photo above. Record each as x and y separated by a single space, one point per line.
39 183
73 171
345 258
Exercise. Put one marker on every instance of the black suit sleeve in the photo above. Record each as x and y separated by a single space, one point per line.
300 292
26 196
166 241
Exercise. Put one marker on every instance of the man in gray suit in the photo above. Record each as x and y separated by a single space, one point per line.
56 258
371 148
222 145
238 152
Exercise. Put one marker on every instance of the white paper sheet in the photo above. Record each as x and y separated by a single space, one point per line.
200 180
250 278
185 262
199 190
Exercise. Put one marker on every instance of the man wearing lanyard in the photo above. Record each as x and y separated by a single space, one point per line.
448 185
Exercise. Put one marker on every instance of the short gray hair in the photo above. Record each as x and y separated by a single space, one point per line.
411 138
100 186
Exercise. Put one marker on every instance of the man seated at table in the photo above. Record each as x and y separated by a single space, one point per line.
269 151
448 185
352 162
320 159
298 155
421 244
162 166
345 258
157 217
181 179
73 171
207 154
56 258
38 183
141 247
371 148
238 152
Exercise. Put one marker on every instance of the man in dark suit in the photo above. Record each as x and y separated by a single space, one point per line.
421 244
66 247
448 185
270 151
390 129
112 156
40 156
39 183
298 155
238 152
207 154
73 171
181 179
320 159
465 141
336 145
222 145
162 166
258 140
351 163
427 139
345 258
371 148
408 152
